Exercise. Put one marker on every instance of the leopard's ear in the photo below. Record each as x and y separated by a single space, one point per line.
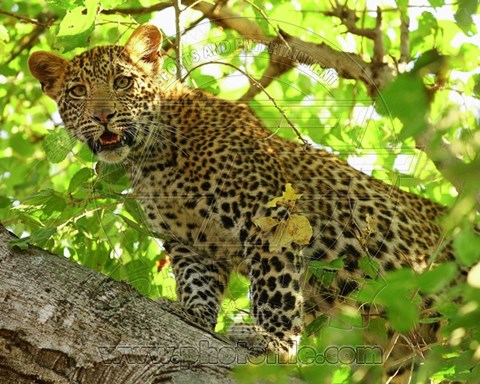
50 70
144 45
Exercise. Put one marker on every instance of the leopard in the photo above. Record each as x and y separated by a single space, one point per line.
205 170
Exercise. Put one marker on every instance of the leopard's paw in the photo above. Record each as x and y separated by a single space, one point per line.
259 342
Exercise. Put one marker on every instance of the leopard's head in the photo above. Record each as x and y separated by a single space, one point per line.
108 96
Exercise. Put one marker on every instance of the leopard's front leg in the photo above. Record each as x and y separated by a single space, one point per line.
277 302
200 282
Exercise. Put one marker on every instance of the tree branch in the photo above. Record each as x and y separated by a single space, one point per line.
30 39
378 46
21 18
63 323
139 11
224 17
349 18
404 38
178 39
374 75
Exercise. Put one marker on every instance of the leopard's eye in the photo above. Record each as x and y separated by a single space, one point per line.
78 91
123 82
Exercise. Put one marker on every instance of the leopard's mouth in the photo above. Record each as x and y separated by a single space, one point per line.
110 141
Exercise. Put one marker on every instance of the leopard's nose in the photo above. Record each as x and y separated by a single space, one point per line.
104 117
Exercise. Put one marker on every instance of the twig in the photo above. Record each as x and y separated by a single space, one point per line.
386 9
139 11
22 18
194 24
378 67
178 39
378 46
29 40
349 18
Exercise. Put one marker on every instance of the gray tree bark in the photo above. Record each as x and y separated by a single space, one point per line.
63 323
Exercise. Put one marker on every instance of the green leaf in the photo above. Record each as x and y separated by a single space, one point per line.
430 61
467 247
21 244
402 4
427 24
4 37
370 290
62 4
369 266
138 275
49 199
329 265
463 16
406 99
20 145
77 25
29 220
57 145
316 325
287 17
110 173
136 226
207 83
55 204
4 201
40 197
436 3
402 314
110 4
133 208
476 87
40 236
79 178
437 278
398 299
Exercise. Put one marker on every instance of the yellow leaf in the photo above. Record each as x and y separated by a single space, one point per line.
299 229
280 238
265 223
273 203
287 197
371 223
296 229
290 194
368 230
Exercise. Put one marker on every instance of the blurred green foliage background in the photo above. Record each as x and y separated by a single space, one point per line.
54 196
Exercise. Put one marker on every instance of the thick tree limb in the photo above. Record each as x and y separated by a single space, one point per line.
63 323
221 15
374 75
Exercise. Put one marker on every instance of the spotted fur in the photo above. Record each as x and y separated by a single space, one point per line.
204 169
